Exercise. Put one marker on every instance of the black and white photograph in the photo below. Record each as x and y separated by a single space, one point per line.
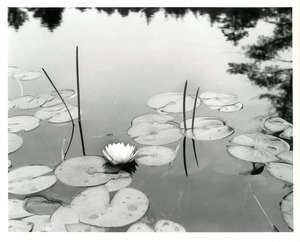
142 118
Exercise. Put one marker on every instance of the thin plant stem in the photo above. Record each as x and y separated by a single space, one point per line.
264 212
78 101
194 110
184 97
184 156
195 153
73 125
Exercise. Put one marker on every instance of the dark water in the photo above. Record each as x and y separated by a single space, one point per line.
128 55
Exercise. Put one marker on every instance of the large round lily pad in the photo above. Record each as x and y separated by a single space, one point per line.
29 102
275 124
30 179
80 227
218 98
14 142
154 133
172 102
16 210
27 75
168 226
155 155
40 205
151 118
282 171
18 123
127 206
140 227
257 147
286 156
64 93
84 171
19 226
287 209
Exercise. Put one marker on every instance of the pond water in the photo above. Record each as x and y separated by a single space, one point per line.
126 56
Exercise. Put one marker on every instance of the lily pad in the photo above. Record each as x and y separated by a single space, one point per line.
26 123
45 96
30 179
9 163
64 93
155 155
19 226
286 156
40 205
154 133
140 227
80 227
231 108
275 124
48 112
11 104
14 142
84 171
52 103
16 210
287 133
27 75
218 98
152 118
63 116
28 102
257 147
127 206
13 70
168 226
172 102
282 171
287 209
119 183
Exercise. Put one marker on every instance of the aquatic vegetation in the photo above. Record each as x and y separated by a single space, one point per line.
275 124
11 105
64 93
287 133
22 122
218 98
14 142
282 171
16 210
12 70
81 227
51 103
286 156
30 179
152 118
93 206
39 205
140 227
9 163
19 226
168 226
287 209
28 102
48 97
155 155
27 75
231 108
119 183
119 154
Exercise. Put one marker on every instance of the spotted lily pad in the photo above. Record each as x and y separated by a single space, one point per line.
140 227
172 102
80 227
83 171
18 123
155 155
287 209
152 118
27 75
40 205
29 102
19 226
30 179
231 108
127 206
16 210
287 133
282 171
14 142
257 147
275 124
119 183
64 93
52 103
218 98
168 226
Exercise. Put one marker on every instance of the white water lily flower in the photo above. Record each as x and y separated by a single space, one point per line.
119 153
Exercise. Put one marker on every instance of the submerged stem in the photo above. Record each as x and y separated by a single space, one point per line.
73 125
194 110
78 101
184 156
184 97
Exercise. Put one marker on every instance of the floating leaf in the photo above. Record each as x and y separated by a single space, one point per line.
126 207
80 227
16 210
40 222
282 171
154 133
64 93
63 116
140 227
172 102
231 108
14 142
287 209
40 205
27 75
83 171
13 70
119 183
19 226
11 104
275 124
9 163
152 118
155 155
28 102
168 226
52 103
30 179
287 133
218 98
18 123
45 96
286 156
46 113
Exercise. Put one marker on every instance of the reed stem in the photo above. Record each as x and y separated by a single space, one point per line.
195 153
184 156
184 97
194 110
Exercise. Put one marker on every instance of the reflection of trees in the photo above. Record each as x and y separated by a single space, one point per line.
16 17
277 78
